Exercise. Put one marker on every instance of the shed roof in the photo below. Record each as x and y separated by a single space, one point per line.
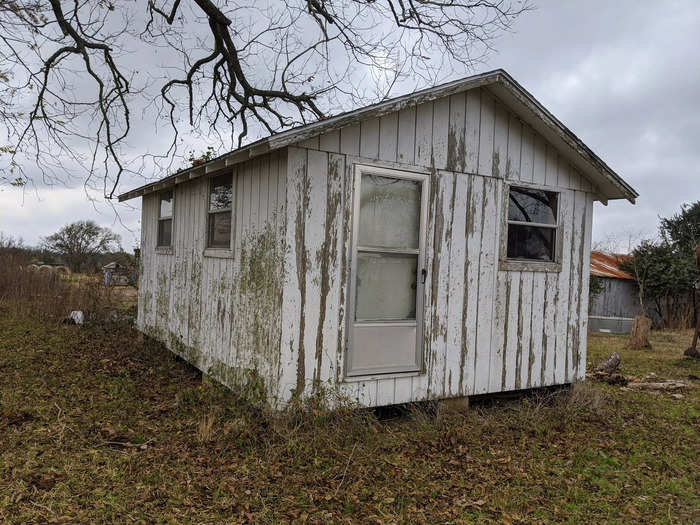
608 183
608 265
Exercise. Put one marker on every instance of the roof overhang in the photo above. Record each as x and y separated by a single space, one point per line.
609 185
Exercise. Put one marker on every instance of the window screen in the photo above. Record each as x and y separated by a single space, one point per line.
165 218
532 224
220 205
387 251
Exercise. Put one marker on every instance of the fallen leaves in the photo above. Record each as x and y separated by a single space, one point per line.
133 453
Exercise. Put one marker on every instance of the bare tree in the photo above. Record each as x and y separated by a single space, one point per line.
76 75
76 243
620 241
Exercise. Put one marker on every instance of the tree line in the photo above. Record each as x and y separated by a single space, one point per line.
82 246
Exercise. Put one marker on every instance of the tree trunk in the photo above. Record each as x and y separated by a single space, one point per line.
639 337
692 351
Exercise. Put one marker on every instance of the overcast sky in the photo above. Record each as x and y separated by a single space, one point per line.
622 75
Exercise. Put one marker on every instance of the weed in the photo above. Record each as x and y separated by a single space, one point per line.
205 429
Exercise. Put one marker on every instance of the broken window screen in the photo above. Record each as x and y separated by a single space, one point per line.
165 218
220 204
532 224
386 286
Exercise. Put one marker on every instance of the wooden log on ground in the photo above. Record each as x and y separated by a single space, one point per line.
611 363
660 386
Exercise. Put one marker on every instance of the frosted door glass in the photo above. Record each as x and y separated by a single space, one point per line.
386 287
389 212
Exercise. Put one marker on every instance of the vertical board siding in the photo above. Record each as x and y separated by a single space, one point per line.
457 257
515 137
219 313
406 139
486 277
424 135
388 137
278 306
583 303
562 352
440 280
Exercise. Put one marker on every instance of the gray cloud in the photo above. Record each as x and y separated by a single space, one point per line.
622 75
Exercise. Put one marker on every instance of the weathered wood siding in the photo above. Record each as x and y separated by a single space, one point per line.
278 306
223 314
619 298
486 329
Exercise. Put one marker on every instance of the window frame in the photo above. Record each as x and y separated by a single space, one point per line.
165 248
423 177
220 251
532 265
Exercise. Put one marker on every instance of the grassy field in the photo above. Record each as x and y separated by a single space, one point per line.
97 426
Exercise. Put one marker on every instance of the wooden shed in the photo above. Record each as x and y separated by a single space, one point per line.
614 308
434 245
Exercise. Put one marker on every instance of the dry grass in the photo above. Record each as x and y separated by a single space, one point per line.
99 425
52 296
205 428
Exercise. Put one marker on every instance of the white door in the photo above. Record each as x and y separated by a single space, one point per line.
387 275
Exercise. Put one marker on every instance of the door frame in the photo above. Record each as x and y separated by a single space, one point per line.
423 177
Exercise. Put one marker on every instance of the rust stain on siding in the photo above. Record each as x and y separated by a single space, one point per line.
326 258
455 151
465 300
556 315
519 354
435 273
545 337
505 335
577 331
484 200
344 270
303 190
427 346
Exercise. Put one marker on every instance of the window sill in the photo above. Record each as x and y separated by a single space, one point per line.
220 253
510 265
164 250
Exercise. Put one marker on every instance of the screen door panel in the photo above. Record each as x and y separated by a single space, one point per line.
383 348
385 287
387 249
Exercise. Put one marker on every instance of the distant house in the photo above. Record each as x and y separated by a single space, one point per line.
613 310
431 246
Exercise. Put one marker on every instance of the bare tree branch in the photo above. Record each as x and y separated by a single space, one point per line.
74 72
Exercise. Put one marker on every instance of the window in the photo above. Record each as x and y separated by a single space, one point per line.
219 220
165 218
387 251
532 224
